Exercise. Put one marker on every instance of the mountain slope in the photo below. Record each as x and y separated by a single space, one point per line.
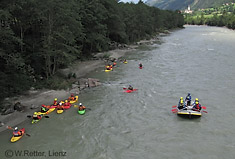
182 4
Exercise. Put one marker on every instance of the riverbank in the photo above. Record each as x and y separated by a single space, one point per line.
35 98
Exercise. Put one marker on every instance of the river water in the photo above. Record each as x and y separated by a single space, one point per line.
140 125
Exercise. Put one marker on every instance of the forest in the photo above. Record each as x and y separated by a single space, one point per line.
40 37
217 16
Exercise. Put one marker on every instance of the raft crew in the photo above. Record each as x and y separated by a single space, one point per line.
188 100
196 105
17 133
81 107
36 116
181 104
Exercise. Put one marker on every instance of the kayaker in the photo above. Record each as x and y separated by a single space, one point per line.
114 64
140 65
66 103
55 102
72 97
108 67
181 104
44 109
124 60
130 88
196 105
36 116
188 99
17 133
60 106
81 107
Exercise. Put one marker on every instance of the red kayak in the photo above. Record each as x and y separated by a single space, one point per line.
129 91
140 67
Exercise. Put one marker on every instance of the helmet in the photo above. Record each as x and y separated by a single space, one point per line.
16 128
197 102
196 99
35 113
181 98
55 98
72 95
129 85
66 100
60 103
80 103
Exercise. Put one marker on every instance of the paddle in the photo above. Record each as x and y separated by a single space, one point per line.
174 106
203 107
174 110
204 111
8 127
30 116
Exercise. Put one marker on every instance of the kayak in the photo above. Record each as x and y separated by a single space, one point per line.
129 91
67 107
125 62
140 67
189 113
81 111
60 111
35 121
14 138
49 111
74 101
108 70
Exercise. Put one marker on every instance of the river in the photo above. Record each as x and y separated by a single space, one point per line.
140 125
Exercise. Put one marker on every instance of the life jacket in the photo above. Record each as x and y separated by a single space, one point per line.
81 107
197 106
17 133
55 103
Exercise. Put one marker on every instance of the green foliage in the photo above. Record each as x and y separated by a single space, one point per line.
40 37
219 16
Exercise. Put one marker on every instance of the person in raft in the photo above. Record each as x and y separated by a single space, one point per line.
81 107
16 132
55 102
36 116
188 99
44 109
130 88
140 65
181 103
196 105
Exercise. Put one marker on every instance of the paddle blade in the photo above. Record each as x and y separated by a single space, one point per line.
204 111
174 110
174 106
29 116
203 107
124 88
75 106
27 135
46 116
8 127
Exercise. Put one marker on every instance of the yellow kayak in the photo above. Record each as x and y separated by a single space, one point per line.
49 111
125 62
60 111
74 101
108 70
16 138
